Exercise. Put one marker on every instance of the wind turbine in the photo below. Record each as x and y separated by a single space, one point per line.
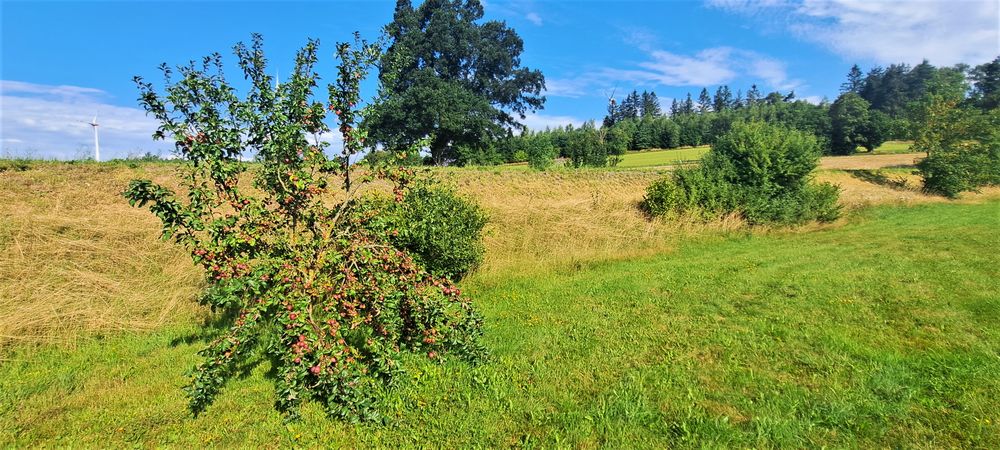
97 144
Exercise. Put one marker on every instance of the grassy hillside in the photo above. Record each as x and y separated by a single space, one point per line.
605 328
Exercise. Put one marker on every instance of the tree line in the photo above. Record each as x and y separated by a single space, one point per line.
886 103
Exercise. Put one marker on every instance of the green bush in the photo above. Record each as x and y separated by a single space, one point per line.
759 171
539 151
962 146
440 230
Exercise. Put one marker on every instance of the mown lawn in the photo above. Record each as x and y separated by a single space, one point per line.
662 157
882 332
655 158
893 147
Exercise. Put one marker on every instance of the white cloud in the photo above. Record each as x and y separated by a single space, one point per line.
641 38
537 122
712 66
814 99
772 71
46 121
570 87
944 32
708 67
534 18
520 9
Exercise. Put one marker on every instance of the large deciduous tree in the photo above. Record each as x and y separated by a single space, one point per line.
853 125
450 77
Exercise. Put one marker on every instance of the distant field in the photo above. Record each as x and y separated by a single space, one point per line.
654 158
890 147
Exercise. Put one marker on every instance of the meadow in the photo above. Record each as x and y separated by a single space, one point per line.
605 328
656 158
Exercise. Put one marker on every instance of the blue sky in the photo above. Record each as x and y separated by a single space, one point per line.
64 62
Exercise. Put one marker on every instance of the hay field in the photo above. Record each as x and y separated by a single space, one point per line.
76 259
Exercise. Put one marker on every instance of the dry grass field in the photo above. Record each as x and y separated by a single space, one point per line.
75 257
876 161
605 328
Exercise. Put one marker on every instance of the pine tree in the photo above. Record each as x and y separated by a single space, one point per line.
855 81
650 104
630 107
675 109
723 99
704 101
986 84
688 107
753 95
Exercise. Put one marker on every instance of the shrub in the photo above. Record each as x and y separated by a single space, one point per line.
441 230
308 282
758 170
585 148
539 151
962 146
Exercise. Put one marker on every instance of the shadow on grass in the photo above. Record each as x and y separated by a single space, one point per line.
212 327
879 178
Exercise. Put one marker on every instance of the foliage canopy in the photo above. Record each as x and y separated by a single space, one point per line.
451 79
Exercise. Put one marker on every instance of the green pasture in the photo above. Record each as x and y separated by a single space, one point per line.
878 333
652 158
893 147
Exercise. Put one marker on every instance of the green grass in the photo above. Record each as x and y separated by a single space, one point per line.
655 158
662 157
893 147
879 333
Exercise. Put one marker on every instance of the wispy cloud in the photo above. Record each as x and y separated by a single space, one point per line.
945 32
534 18
537 122
708 67
48 121
577 87
641 38
521 9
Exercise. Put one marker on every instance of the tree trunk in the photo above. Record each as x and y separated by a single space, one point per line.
438 146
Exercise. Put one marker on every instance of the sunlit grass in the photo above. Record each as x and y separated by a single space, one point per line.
893 147
652 158
876 333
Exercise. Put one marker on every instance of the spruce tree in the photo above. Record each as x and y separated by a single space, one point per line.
688 105
650 104
753 95
855 81
704 101
723 99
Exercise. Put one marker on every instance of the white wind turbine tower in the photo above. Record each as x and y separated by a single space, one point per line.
97 144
